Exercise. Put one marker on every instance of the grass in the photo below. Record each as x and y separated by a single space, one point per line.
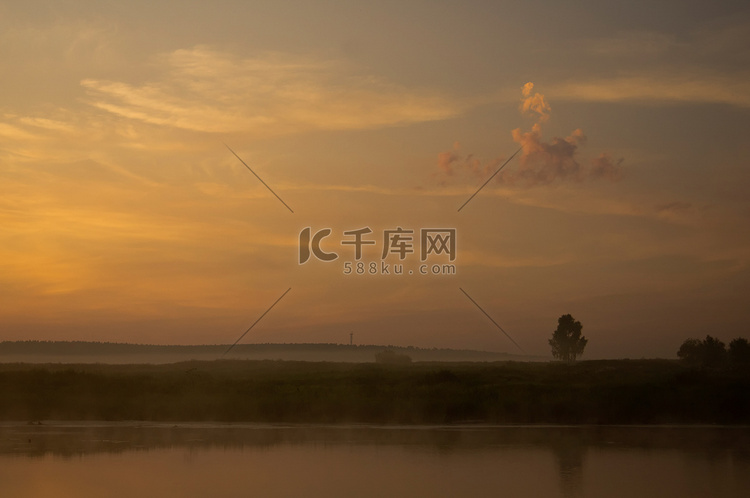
589 392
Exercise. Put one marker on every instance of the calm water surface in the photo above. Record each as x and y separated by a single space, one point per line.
127 460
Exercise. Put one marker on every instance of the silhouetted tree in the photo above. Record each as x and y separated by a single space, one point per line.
739 351
710 352
714 352
567 342
689 351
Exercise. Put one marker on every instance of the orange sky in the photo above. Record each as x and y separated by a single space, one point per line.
123 216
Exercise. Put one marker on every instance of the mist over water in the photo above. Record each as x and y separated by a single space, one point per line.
197 460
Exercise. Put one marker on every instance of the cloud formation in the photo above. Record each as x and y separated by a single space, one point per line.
540 162
534 104
453 162
545 162
603 166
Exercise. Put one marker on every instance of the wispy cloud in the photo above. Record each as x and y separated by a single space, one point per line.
64 40
639 45
707 64
9 131
656 87
206 90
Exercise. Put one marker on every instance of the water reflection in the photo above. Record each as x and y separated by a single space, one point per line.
569 450
232 460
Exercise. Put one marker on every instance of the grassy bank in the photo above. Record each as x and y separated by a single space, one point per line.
591 392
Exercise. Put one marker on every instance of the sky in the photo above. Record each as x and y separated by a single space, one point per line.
125 215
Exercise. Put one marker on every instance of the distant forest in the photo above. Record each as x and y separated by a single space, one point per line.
89 351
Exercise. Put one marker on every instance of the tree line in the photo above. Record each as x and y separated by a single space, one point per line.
712 352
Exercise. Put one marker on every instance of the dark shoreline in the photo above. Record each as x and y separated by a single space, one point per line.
81 438
602 392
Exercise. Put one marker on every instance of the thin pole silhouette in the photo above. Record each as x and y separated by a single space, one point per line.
490 178
493 321
259 178
256 322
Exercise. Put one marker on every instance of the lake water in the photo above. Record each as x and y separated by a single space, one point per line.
144 460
